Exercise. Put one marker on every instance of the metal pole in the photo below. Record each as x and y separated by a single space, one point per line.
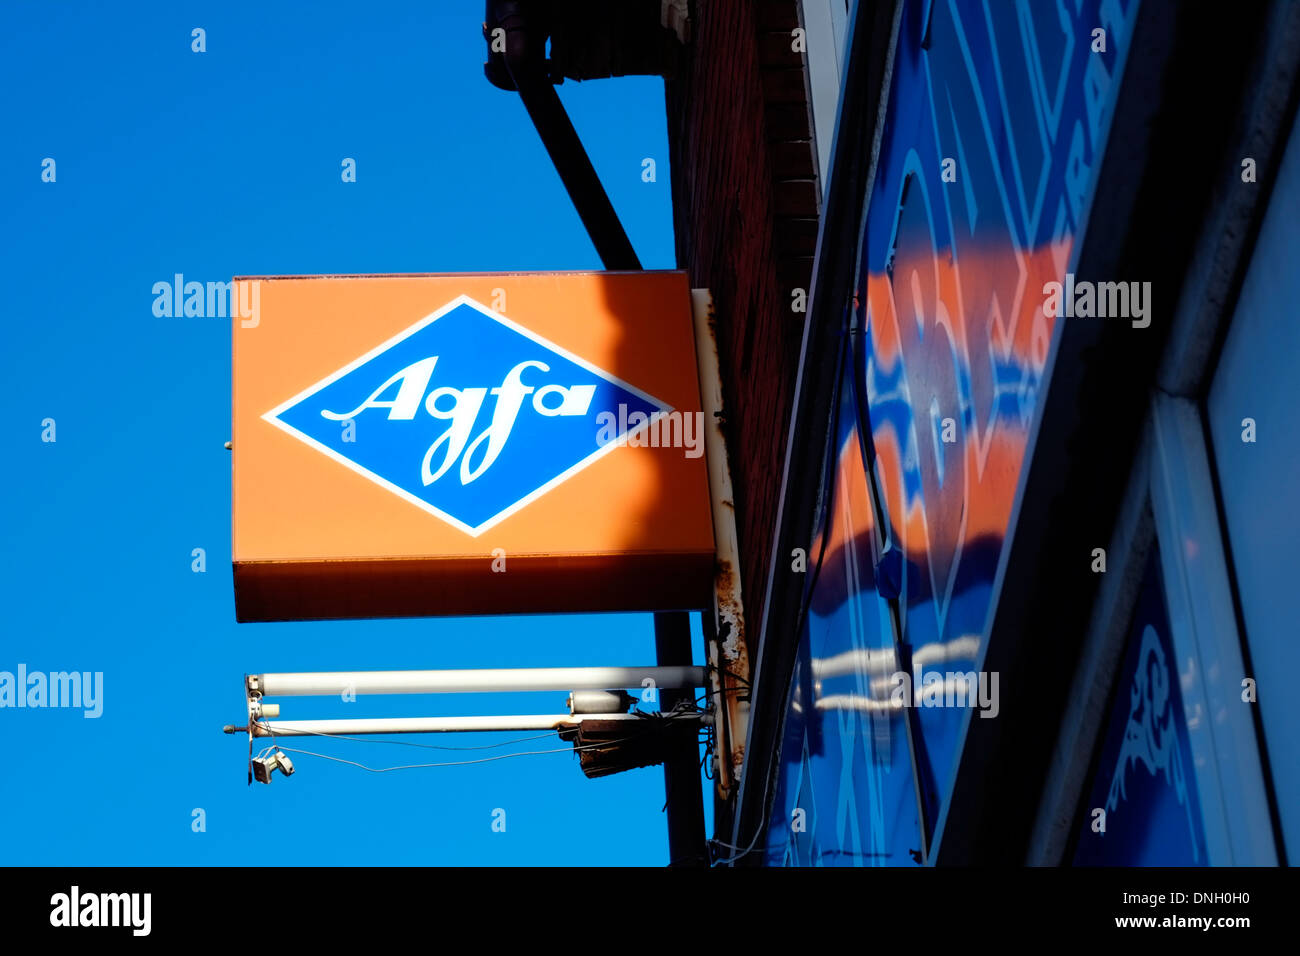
683 791
525 60
424 725
485 681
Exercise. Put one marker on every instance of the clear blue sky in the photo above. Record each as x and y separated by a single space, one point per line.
217 164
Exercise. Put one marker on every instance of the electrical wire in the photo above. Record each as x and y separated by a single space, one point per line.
725 674
462 763
417 766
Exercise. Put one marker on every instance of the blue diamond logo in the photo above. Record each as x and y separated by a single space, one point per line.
468 415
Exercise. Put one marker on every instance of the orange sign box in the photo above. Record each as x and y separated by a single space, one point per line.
467 444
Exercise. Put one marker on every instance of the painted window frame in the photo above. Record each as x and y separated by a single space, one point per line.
1170 502
1203 624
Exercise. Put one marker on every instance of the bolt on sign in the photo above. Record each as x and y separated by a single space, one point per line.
468 444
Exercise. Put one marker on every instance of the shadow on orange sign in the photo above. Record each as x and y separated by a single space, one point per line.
467 444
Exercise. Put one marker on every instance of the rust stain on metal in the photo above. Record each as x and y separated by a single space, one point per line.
734 652
728 651
731 625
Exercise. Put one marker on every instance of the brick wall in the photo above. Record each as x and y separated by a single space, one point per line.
745 207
